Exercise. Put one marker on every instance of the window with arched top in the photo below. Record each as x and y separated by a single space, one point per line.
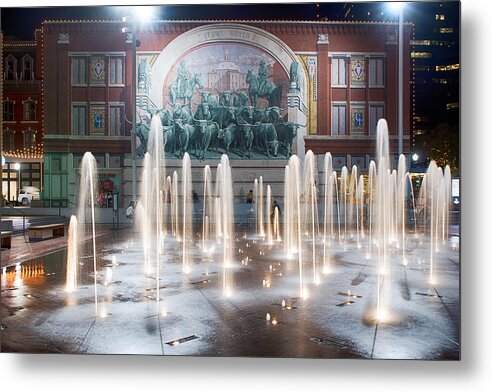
8 110
29 139
27 68
10 70
29 110
8 140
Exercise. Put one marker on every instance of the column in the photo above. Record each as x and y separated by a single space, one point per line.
64 82
324 83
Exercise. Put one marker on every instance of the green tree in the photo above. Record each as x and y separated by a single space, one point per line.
443 146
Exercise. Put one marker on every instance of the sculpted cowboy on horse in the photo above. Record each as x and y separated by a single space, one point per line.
261 86
184 87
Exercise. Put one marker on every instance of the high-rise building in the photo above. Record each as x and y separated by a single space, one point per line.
435 65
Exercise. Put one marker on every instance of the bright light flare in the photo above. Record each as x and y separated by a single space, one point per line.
396 6
144 13
381 315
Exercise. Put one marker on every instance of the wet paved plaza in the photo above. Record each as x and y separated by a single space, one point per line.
188 314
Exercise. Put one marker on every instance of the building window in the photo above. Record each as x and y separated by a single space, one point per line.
116 120
8 140
376 112
358 71
452 67
29 139
79 71
116 71
29 111
424 42
421 55
10 68
79 120
445 30
27 68
440 17
338 115
98 120
8 111
338 67
357 120
98 70
376 72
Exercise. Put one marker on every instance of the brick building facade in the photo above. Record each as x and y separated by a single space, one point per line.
22 115
348 78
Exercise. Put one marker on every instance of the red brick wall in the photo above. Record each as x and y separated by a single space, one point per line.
301 37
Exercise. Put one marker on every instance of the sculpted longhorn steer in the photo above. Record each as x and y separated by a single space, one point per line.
226 99
185 136
228 137
267 136
286 132
240 99
246 137
181 113
223 116
203 136
244 114
169 138
203 112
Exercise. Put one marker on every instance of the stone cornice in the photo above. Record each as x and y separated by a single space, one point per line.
181 26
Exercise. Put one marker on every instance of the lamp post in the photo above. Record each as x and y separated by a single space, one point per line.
134 108
400 79
397 6
133 31
17 167
143 14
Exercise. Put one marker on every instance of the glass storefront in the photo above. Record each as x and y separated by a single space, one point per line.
13 180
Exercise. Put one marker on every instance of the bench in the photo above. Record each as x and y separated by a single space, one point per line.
6 239
45 232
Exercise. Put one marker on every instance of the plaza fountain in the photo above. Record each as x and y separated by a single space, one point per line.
374 217
82 228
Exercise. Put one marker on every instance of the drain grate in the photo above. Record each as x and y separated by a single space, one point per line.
10 289
429 295
175 342
204 281
153 288
288 307
346 303
329 342
351 295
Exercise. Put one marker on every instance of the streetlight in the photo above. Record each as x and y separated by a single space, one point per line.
397 6
415 157
141 14
133 141
17 167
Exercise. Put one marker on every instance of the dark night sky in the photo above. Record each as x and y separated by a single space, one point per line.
21 22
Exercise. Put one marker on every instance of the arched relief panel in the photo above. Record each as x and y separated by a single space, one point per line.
218 33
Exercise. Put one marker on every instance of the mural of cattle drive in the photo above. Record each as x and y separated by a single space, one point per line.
223 98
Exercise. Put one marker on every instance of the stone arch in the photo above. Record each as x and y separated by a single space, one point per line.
215 33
